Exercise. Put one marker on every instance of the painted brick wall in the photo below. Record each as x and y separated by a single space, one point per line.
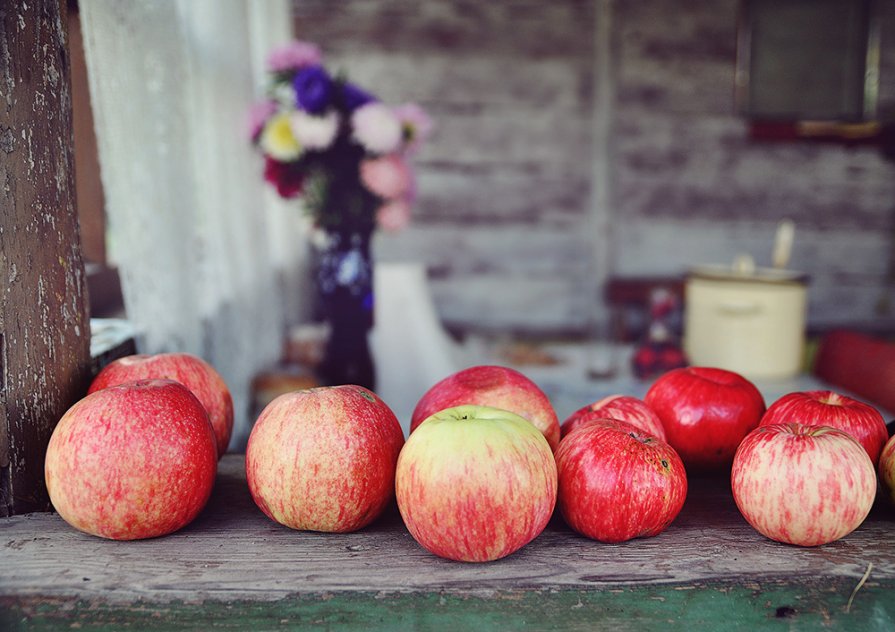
507 215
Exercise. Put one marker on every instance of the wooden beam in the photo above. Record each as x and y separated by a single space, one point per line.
44 327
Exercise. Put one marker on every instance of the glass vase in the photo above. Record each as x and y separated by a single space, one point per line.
344 280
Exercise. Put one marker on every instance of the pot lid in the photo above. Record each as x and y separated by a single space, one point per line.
719 272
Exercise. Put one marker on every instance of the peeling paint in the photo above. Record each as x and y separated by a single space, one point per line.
43 305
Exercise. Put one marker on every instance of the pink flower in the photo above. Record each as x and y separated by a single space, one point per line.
388 177
394 215
257 117
292 56
376 128
416 126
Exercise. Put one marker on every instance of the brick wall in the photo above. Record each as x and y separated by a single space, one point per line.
518 181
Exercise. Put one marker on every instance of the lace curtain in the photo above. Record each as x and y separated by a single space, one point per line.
211 263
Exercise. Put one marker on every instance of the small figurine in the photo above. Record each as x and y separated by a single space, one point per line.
661 350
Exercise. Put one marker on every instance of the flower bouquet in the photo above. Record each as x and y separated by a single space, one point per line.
335 145
346 155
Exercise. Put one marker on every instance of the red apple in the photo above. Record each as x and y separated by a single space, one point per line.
805 485
706 412
826 408
620 407
887 469
495 387
617 482
194 373
475 484
132 461
324 459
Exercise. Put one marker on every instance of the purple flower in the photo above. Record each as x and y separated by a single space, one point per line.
293 56
313 89
355 97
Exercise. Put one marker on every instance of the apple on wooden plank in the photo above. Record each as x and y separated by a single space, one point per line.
804 485
132 461
475 484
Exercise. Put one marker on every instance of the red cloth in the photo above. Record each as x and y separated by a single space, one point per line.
859 363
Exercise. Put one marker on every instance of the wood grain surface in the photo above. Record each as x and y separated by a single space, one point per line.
233 552
44 329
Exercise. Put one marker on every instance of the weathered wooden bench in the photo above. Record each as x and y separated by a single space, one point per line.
235 569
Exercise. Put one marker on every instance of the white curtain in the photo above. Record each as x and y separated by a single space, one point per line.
211 262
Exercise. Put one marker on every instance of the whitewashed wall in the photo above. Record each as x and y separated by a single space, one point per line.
525 205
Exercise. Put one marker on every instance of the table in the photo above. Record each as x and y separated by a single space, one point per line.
568 387
233 568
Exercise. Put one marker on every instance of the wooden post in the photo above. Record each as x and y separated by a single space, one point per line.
44 328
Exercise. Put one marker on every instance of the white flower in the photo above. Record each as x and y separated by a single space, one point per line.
284 94
314 132
376 128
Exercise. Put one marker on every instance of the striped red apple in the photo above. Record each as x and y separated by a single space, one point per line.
323 459
617 482
475 484
620 407
132 461
193 372
495 387
826 408
887 469
804 485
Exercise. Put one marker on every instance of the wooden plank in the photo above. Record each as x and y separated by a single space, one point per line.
43 303
689 608
233 553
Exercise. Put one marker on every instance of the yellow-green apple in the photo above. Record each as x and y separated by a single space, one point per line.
495 387
887 469
620 407
705 412
826 408
617 482
475 483
194 373
323 459
132 461
805 485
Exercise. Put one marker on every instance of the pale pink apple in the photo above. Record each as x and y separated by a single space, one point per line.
323 459
132 461
475 484
805 485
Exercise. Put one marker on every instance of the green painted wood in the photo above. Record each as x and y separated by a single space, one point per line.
692 608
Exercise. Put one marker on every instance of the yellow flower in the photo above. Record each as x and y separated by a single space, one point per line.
277 139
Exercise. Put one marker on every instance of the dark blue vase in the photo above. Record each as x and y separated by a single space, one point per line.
345 291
